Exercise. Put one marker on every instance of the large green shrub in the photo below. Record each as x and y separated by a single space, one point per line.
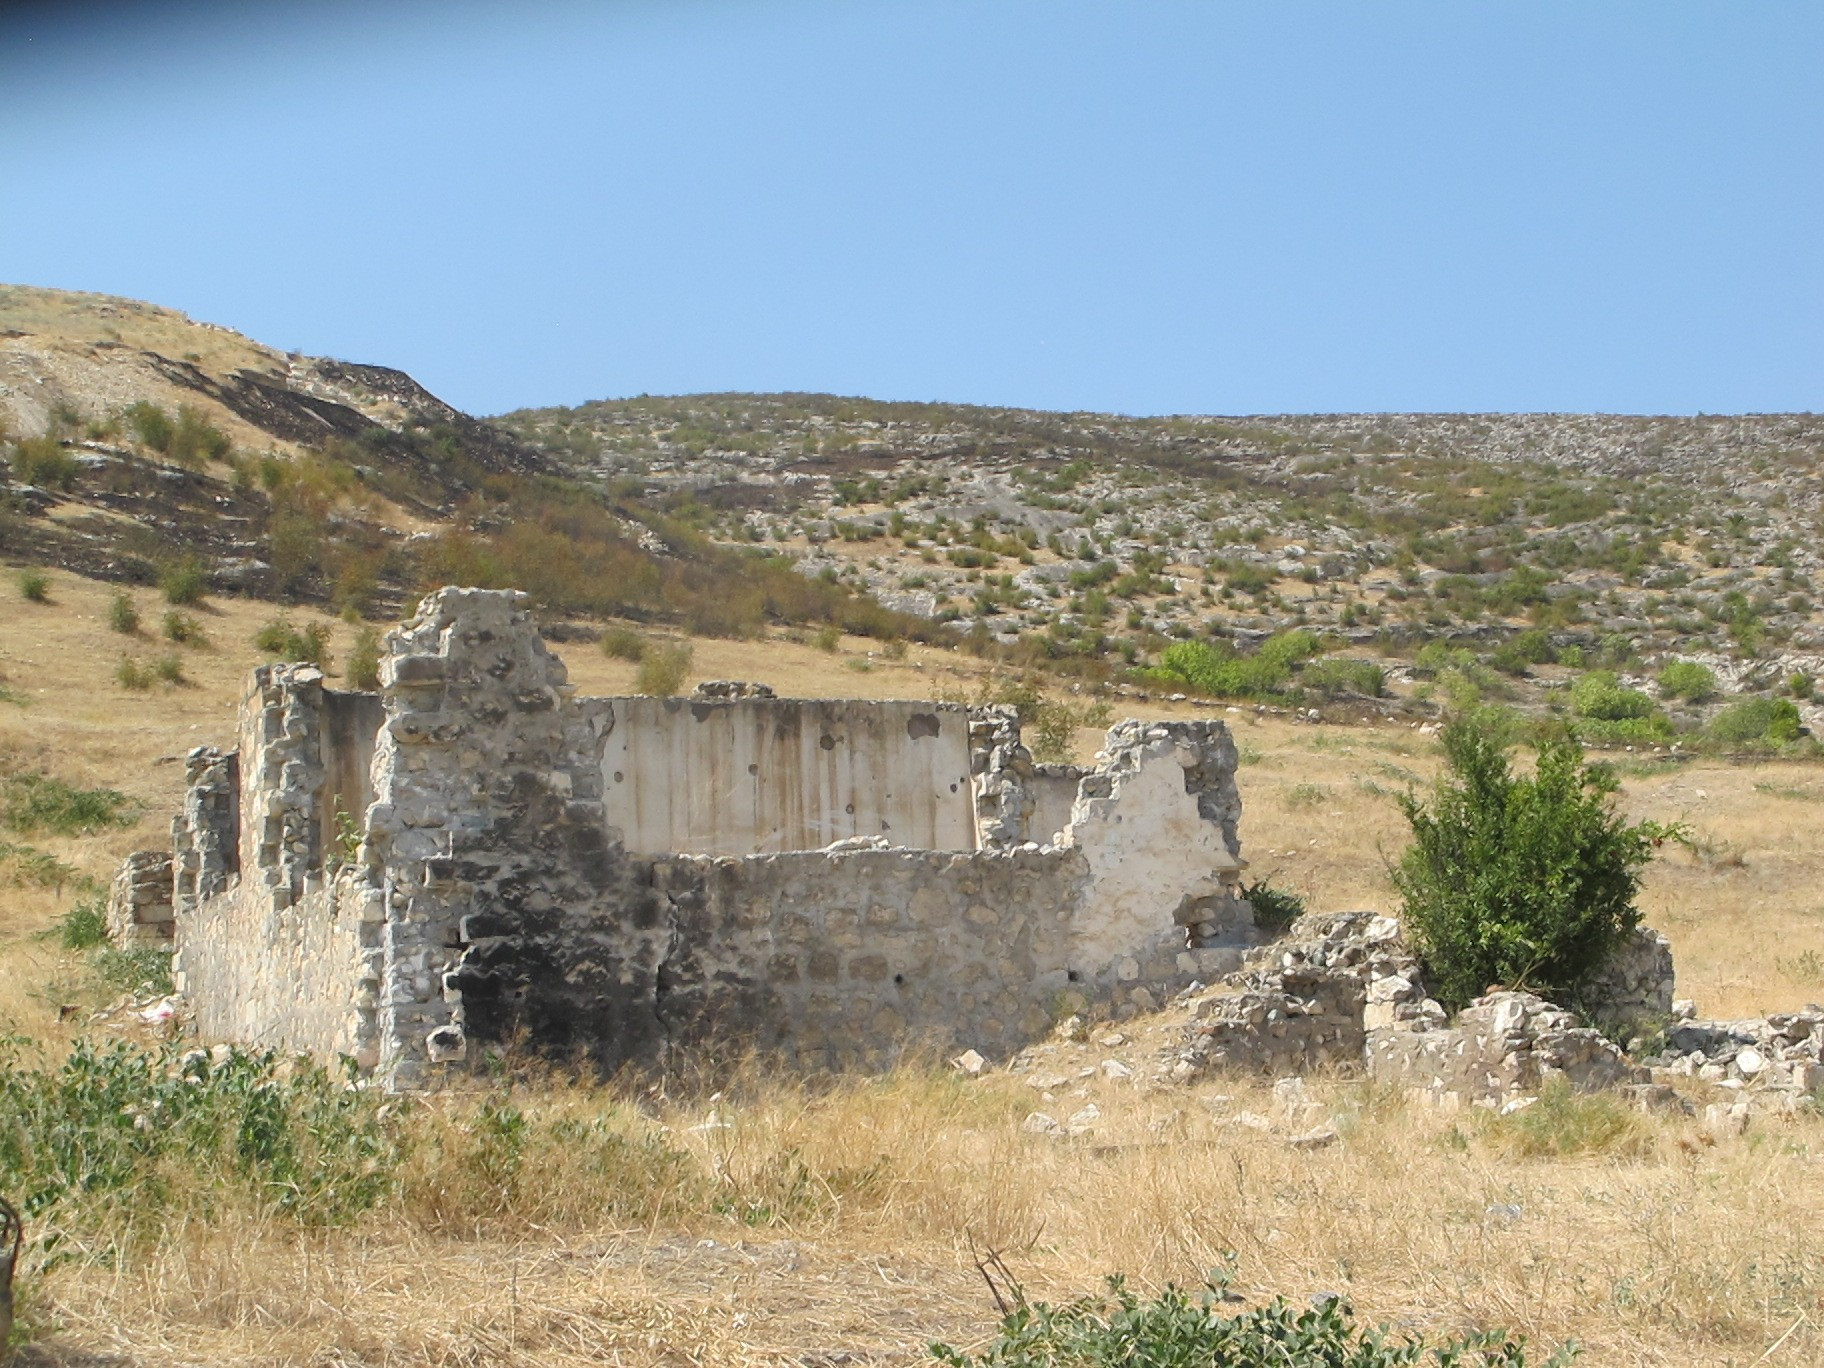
1774 720
1599 695
1217 669
1517 880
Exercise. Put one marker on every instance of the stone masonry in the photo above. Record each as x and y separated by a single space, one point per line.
418 878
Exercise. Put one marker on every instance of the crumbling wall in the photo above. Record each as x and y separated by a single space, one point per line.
745 775
296 975
139 900
1053 789
845 958
206 834
1001 768
1504 1046
1634 991
487 896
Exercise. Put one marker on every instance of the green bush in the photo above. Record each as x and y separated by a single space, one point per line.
828 638
1600 697
1532 647
35 803
43 462
194 439
169 667
284 640
364 660
85 925
622 643
1688 680
123 614
152 425
183 629
132 674
1275 908
663 668
1774 720
34 586
1177 1330
1334 678
1526 882
115 1135
1215 668
184 583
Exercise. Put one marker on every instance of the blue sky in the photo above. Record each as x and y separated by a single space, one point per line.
1139 207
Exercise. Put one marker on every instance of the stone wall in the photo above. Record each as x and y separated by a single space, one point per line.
139 900
299 975
1635 989
206 834
742 776
492 899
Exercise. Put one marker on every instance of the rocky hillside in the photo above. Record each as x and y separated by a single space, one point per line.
1509 544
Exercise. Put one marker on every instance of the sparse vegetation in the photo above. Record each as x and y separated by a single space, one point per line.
39 804
34 586
622 643
282 639
42 461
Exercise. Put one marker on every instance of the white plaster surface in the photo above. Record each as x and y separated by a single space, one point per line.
758 776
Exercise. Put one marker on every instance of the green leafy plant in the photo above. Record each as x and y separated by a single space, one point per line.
1275 908
123 614
43 462
1687 679
34 586
283 639
622 643
37 803
1119 1329
85 925
663 668
183 629
1523 881
364 660
1774 721
184 582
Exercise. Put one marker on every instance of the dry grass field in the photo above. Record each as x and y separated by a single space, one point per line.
794 1222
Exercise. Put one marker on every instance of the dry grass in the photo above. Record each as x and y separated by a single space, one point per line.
1658 1250
805 1222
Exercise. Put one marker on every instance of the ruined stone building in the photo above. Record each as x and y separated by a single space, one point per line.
475 856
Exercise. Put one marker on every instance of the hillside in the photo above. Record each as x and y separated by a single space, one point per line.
143 444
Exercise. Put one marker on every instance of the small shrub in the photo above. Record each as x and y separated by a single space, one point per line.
184 583
183 629
1564 1123
1177 1330
828 638
85 925
1687 679
364 660
1772 720
194 439
284 640
1523 881
663 668
132 674
142 972
1335 678
1275 908
169 668
622 643
43 462
1600 696
35 803
1306 796
152 425
34 586
123 614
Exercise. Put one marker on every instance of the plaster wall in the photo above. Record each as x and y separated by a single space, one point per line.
760 775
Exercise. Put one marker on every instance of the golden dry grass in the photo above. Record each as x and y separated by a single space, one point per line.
1664 1250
